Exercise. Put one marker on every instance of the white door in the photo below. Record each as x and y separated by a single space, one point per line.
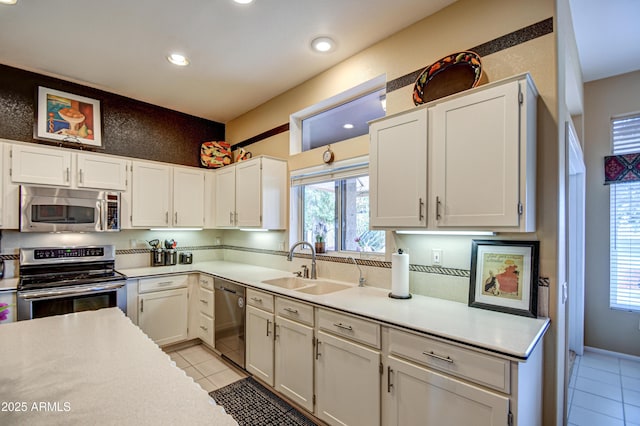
225 189
347 382
421 397
102 172
249 193
150 194
38 165
294 362
162 315
398 171
188 197
260 344
476 151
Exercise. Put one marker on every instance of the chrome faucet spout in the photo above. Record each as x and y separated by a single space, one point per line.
361 279
313 256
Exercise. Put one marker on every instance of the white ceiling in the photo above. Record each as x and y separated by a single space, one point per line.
607 35
241 55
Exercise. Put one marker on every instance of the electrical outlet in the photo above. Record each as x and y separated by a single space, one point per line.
436 257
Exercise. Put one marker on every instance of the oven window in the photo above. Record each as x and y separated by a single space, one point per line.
67 305
55 213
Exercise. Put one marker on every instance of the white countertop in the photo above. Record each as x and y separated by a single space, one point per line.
511 335
95 368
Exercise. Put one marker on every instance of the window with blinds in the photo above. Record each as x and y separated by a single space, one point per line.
625 222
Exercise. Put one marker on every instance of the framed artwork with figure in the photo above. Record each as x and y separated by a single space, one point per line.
67 118
504 276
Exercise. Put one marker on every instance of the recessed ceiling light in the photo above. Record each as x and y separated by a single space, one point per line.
348 126
178 59
243 1
323 44
8 1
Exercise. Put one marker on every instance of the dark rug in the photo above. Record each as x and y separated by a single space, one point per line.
252 404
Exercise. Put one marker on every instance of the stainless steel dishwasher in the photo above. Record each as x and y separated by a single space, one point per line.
229 322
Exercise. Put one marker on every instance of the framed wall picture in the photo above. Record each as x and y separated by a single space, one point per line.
65 117
504 276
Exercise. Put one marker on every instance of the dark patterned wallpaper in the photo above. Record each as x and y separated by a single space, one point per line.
130 128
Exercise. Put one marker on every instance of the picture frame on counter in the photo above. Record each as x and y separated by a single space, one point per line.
504 276
67 118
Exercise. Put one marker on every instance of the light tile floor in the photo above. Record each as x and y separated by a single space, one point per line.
205 367
603 391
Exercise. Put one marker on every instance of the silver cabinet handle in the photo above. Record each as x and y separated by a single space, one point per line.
268 327
142 305
164 283
204 328
438 204
68 174
81 177
176 217
235 218
204 301
291 311
389 384
256 299
420 205
277 333
166 217
440 357
231 218
344 327
318 348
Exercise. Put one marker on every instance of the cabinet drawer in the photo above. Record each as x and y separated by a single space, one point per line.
295 311
360 330
205 301
205 328
206 281
483 369
146 285
260 299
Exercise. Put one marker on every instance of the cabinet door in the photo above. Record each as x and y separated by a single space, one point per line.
398 171
476 141
150 194
209 200
260 344
102 172
163 315
421 397
225 188
188 197
38 165
347 382
294 362
249 193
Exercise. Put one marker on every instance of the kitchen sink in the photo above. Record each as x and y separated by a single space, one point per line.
290 283
323 287
306 285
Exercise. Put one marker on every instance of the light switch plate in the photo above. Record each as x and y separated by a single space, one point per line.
436 257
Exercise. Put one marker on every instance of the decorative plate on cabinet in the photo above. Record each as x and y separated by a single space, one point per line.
451 74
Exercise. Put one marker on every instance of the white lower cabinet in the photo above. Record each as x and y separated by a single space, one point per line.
260 344
422 397
163 308
205 322
294 361
8 298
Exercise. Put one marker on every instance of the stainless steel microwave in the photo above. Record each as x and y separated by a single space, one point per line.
44 209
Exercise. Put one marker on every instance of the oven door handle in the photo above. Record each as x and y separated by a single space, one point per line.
45 293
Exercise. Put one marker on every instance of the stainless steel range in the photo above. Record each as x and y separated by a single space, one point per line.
62 280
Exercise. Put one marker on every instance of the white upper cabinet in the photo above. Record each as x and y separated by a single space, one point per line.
471 168
188 197
483 173
101 172
398 170
252 193
150 191
39 165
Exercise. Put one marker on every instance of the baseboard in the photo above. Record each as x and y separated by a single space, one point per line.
612 353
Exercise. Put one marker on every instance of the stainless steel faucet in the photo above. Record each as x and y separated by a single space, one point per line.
313 256
362 280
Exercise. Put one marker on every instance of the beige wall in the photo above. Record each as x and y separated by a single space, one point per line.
464 24
605 328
